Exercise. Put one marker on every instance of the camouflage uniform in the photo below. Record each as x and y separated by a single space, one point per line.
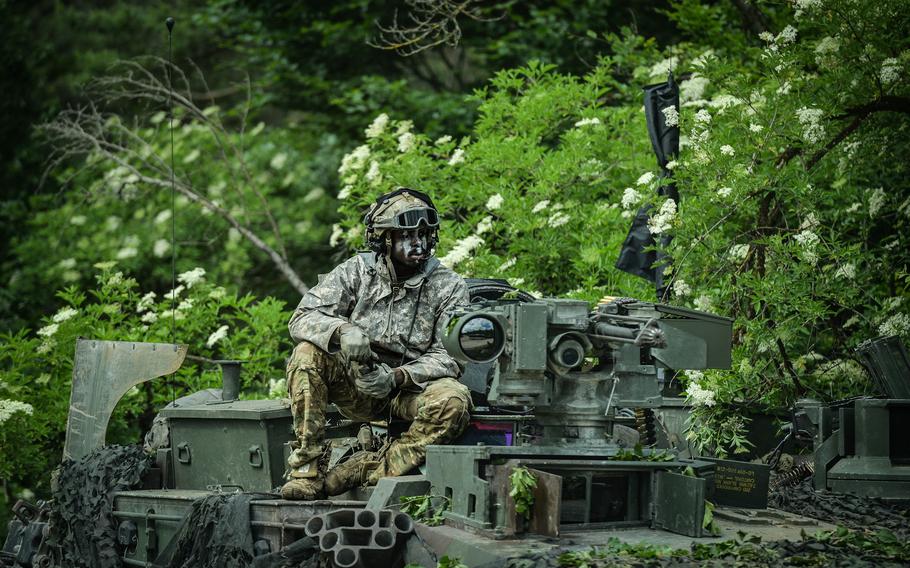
405 324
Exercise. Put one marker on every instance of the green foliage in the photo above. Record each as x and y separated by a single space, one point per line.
528 196
521 489
880 545
270 180
423 509
450 562
36 367
707 522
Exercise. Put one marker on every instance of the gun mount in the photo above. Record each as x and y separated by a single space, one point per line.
578 367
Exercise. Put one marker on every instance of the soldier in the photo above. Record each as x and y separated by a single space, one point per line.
369 339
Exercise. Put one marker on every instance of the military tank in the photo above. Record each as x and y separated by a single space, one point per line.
568 394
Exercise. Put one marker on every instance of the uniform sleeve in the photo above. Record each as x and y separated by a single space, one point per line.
436 362
326 306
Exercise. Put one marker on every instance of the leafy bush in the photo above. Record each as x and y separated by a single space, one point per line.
36 367
788 222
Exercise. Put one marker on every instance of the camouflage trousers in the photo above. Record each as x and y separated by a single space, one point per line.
438 414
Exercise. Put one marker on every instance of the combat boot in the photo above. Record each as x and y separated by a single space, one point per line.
352 473
306 483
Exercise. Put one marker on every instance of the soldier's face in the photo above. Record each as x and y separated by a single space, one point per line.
409 246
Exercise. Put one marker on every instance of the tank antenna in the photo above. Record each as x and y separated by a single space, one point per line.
169 22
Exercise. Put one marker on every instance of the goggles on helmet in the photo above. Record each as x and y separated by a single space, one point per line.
412 218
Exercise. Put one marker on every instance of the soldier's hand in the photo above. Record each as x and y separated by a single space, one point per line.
354 342
377 383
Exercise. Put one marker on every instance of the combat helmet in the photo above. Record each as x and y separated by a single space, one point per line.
403 208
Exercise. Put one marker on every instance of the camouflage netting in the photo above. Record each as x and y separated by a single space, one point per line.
217 534
846 510
83 502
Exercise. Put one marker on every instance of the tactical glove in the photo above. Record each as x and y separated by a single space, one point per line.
377 383
354 342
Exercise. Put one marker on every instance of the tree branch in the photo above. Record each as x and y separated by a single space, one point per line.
886 103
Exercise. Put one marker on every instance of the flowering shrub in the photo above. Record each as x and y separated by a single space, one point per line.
532 196
36 367
794 209
276 181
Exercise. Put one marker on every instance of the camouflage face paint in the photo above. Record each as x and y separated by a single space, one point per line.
409 246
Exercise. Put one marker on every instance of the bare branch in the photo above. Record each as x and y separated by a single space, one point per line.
87 133
430 23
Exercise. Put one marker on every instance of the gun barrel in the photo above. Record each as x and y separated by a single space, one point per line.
614 331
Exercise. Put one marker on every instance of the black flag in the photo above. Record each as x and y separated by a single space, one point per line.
633 257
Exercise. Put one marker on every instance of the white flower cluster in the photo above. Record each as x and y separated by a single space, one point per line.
681 288
661 68
278 161
494 202
671 116
354 161
645 178
662 222
345 192
810 120
192 277
461 251
457 157
406 142
217 336
484 225
558 219
723 101
9 407
163 217
898 324
891 71
702 303
378 126
172 295
337 234
127 252
692 90
825 51
699 396
724 192
48 330
442 140
64 314
703 116
738 252
755 127
846 271
507 264
540 206
783 39
727 150
630 197
372 176
145 302
803 6
876 201
809 242
587 122
161 247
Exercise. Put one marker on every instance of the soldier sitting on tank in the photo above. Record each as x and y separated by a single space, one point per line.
369 340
